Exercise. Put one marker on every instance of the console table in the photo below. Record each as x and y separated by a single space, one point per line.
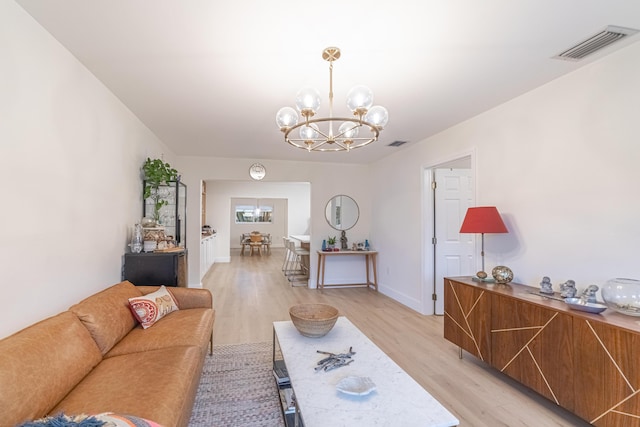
397 401
586 363
370 258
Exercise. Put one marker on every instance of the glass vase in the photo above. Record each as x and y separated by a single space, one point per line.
136 239
622 295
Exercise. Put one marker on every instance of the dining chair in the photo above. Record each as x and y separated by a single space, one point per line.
245 240
255 243
266 243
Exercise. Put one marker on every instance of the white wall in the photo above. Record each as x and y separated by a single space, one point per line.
346 179
219 194
561 165
70 154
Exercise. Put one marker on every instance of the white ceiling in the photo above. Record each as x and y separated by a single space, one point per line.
207 77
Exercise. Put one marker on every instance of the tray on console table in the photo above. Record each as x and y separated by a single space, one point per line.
583 362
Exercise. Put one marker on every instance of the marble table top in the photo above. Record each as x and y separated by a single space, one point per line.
398 399
304 238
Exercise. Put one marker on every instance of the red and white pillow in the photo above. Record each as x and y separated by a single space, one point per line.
150 308
106 419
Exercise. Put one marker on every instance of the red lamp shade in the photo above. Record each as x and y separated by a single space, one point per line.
483 219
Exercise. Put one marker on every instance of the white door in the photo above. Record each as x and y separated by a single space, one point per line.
454 253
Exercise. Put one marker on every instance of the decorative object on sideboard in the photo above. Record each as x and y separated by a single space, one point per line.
546 287
156 173
148 222
313 320
331 243
622 295
361 246
136 239
502 274
589 294
150 245
568 289
483 219
581 305
318 134
343 240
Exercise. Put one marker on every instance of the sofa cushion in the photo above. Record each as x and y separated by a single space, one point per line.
107 315
150 308
41 364
184 327
158 385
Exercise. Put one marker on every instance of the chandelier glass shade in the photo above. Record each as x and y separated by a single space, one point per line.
332 133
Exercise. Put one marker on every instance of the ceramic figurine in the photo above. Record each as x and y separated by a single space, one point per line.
545 286
589 294
568 289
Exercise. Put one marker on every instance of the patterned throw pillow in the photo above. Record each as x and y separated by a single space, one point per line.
150 308
107 419
119 420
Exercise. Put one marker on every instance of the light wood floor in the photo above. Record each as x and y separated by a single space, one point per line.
250 293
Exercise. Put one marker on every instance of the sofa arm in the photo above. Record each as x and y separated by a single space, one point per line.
185 297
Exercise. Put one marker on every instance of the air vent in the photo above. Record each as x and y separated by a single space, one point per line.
397 143
598 41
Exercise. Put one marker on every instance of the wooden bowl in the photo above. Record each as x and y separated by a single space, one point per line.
313 320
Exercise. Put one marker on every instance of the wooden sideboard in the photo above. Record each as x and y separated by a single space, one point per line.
586 363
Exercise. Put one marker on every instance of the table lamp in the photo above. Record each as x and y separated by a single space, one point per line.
483 219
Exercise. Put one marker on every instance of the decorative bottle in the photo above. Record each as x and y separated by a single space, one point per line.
136 239
324 245
366 245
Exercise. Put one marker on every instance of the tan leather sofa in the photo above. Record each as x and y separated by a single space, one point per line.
96 358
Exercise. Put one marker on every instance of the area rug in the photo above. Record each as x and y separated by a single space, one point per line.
237 388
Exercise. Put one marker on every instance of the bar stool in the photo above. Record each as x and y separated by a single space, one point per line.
287 255
297 271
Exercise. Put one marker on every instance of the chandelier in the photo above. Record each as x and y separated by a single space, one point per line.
332 133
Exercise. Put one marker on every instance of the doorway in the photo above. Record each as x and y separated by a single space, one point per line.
450 191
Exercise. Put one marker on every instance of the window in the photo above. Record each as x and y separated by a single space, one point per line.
252 213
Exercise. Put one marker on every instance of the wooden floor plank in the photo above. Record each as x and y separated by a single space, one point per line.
250 293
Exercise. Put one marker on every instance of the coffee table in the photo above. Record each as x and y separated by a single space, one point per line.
397 400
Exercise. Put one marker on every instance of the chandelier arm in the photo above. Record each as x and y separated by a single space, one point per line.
330 98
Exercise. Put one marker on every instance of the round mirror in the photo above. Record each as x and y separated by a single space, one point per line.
342 212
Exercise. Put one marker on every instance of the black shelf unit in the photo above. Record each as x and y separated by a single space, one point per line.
155 268
173 215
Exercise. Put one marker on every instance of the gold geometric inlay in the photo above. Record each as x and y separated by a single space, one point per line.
467 331
528 350
541 328
619 369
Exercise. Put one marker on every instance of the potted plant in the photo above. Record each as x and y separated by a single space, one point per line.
157 173
331 241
